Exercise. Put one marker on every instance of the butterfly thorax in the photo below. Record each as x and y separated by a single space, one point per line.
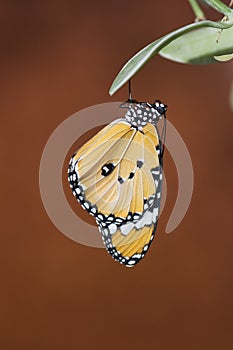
139 114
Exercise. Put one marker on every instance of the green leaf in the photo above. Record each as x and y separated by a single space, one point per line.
200 46
137 62
224 58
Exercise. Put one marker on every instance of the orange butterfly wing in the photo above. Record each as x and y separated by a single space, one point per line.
116 176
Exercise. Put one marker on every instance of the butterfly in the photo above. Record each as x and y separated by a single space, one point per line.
117 177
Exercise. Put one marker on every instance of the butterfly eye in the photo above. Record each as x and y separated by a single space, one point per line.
107 169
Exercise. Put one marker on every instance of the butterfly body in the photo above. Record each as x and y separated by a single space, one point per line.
117 178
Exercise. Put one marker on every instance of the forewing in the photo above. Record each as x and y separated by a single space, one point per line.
127 187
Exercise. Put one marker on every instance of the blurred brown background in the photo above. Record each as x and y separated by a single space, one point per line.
58 57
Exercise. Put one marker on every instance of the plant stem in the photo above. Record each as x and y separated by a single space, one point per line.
197 10
219 6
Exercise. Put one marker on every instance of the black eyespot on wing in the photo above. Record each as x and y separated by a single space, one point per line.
120 180
131 175
139 164
107 169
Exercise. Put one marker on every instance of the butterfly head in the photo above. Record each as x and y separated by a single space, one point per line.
159 107
141 113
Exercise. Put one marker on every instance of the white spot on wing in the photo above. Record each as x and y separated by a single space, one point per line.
131 262
155 214
125 229
112 228
137 256
86 205
77 190
145 220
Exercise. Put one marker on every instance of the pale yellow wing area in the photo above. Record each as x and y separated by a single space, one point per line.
131 154
134 242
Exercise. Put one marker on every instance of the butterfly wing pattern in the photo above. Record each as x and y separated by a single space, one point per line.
117 177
